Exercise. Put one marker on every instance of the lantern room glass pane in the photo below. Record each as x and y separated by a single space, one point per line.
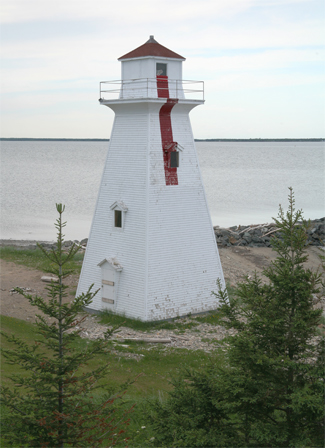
161 69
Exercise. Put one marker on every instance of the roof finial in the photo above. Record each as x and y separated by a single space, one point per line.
151 40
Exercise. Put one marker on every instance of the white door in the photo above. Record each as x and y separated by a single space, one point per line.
108 287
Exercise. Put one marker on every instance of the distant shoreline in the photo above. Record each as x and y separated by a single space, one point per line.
257 140
253 235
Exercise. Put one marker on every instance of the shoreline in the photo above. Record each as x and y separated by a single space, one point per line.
254 235
253 140
22 243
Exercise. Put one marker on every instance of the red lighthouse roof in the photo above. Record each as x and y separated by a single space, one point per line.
151 48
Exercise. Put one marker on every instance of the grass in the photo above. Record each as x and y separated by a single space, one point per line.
178 324
35 259
110 318
155 368
212 318
156 365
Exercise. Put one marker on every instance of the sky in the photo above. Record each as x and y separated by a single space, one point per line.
262 63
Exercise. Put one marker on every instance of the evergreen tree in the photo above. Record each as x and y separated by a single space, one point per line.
269 391
52 403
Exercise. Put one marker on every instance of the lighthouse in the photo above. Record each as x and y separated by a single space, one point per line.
151 251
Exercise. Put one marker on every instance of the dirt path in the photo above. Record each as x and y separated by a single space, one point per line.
237 262
15 275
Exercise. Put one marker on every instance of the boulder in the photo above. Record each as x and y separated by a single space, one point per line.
261 235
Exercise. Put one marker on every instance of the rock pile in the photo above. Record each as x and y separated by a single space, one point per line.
260 235
255 235
203 336
66 244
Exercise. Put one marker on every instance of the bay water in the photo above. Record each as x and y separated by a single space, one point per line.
244 182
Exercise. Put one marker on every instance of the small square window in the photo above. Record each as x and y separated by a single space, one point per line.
118 218
161 69
174 159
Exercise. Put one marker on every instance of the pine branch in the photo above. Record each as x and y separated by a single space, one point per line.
54 397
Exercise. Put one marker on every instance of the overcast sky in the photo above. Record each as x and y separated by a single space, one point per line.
262 62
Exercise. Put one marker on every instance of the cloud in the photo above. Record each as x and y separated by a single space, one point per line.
254 82
55 54
23 11
295 60
14 11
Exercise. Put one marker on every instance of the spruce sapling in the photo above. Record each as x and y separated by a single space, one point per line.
266 388
52 402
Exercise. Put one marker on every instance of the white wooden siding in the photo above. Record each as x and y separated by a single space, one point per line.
167 246
124 178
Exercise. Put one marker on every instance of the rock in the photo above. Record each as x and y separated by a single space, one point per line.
151 340
233 240
261 235
202 337
247 237
48 279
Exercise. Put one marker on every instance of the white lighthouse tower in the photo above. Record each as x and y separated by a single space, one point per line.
152 251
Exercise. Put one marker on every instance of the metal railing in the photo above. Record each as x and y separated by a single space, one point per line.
147 88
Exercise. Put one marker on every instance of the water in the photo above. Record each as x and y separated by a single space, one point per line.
244 183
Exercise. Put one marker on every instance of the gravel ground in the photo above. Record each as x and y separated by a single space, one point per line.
237 263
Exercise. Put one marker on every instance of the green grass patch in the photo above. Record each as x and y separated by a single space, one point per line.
109 318
35 259
156 365
212 318
178 324
21 329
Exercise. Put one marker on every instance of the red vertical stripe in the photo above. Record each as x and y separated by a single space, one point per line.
168 145
162 86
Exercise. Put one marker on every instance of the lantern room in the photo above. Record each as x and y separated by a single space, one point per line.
151 71
151 60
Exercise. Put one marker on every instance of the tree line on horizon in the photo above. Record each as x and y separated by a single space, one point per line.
197 140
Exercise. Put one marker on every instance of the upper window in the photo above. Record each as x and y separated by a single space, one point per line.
161 69
174 159
119 210
118 218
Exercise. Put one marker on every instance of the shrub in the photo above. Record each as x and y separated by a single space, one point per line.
269 391
54 403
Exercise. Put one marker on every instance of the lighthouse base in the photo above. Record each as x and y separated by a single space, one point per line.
152 252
